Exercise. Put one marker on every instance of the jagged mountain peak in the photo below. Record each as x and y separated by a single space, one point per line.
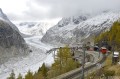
0 10
84 29
72 20
3 16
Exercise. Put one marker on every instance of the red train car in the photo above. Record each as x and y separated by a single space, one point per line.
103 50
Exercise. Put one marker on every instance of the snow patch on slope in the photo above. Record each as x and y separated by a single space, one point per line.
66 30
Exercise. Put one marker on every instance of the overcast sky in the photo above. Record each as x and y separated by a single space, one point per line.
37 10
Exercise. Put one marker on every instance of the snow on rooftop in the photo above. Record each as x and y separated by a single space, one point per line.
116 53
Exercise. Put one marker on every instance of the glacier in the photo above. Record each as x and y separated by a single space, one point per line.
32 62
65 32
34 28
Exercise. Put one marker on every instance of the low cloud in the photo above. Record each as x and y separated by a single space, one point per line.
50 9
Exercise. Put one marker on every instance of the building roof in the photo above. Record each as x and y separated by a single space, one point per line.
103 47
116 53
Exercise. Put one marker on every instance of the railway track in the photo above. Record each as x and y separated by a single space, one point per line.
76 74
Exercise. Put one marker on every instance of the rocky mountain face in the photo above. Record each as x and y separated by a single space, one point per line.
80 28
11 42
34 28
4 17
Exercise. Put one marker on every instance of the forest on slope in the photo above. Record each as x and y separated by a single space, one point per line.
111 37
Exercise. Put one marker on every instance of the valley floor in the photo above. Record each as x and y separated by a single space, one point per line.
31 62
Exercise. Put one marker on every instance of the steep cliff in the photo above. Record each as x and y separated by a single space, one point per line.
11 42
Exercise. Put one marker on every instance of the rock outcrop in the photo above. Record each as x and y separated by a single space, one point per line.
11 42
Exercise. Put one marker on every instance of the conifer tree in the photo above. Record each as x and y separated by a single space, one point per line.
19 76
112 36
29 75
63 62
38 75
44 70
39 69
12 75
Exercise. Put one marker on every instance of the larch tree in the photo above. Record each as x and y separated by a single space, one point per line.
12 75
19 76
29 75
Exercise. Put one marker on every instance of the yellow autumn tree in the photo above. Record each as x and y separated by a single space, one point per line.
112 36
63 62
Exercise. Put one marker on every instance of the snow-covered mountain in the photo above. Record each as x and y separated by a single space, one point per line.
72 29
14 51
34 28
5 18
11 42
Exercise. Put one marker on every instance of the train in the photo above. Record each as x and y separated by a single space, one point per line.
103 50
